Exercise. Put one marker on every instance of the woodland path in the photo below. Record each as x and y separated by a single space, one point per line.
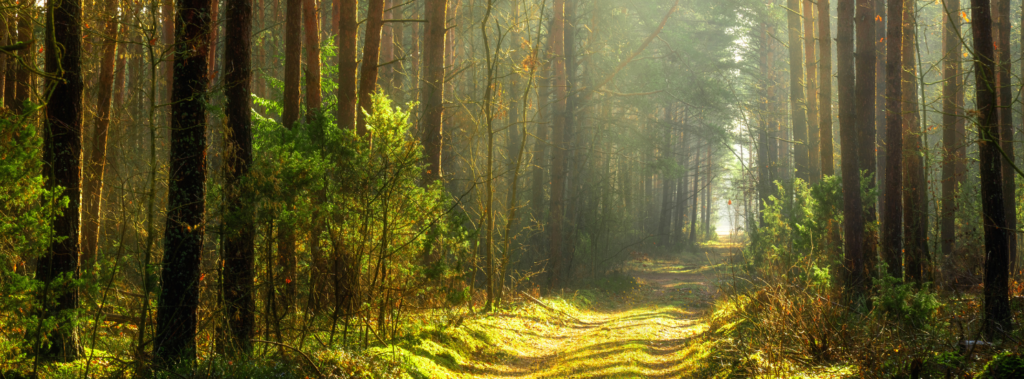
645 333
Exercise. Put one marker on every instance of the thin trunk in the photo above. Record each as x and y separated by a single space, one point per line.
239 227
4 41
167 11
186 217
1005 86
346 40
951 83
914 233
880 78
765 180
371 55
92 186
665 223
62 147
292 62
812 93
892 218
26 80
853 213
11 74
211 68
865 121
558 146
797 102
824 79
693 203
120 69
312 26
432 87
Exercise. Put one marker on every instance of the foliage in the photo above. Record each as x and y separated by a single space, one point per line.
1004 365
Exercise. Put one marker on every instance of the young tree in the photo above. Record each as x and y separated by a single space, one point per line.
825 79
797 102
892 236
346 39
951 84
432 87
62 150
239 240
371 55
997 303
175 339
853 213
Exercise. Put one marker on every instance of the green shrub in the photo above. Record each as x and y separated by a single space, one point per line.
1005 365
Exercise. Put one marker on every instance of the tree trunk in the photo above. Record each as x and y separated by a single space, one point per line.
853 213
186 218
914 209
825 146
797 102
292 62
4 41
997 303
240 229
432 87
312 25
765 180
865 120
121 66
892 218
62 148
92 186
371 55
693 203
558 146
211 68
951 83
26 80
665 223
880 78
1005 86
167 11
11 74
346 40
814 163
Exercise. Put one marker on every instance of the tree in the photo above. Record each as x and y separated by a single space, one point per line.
292 62
312 26
1004 84
25 78
915 208
853 213
346 40
92 186
432 87
892 214
239 241
58 268
371 55
951 87
865 120
825 79
558 147
797 102
175 339
812 94
997 303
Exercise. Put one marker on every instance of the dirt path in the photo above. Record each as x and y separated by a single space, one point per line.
644 334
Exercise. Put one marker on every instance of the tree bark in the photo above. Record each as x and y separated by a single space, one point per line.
345 40
371 55
11 74
880 78
558 146
312 25
167 11
26 80
814 163
5 39
211 68
865 121
92 188
853 213
1005 86
797 102
240 229
432 87
825 146
186 218
914 209
951 142
997 318
292 62
892 219
62 148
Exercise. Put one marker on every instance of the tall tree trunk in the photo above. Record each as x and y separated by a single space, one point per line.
167 34
951 83
5 39
26 80
914 209
665 223
432 87
292 62
312 25
865 120
186 217
62 148
853 213
240 229
880 78
346 39
892 218
11 74
812 94
693 203
997 316
121 65
211 68
825 146
1005 86
92 186
387 49
371 55
797 102
558 146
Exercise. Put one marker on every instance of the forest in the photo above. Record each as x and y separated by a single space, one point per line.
511 189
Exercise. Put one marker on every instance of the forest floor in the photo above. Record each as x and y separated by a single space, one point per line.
651 330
